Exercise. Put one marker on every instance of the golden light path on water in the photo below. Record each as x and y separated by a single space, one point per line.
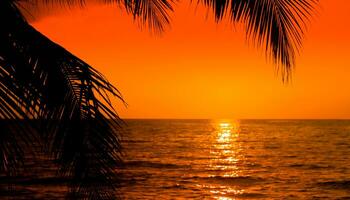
225 157
245 159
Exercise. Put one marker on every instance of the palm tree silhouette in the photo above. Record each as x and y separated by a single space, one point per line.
51 97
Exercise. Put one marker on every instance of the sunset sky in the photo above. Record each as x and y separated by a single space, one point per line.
200 69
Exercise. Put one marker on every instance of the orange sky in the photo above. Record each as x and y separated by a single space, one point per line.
198 69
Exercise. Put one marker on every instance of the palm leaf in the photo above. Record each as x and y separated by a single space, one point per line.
18 95
151 13
84 141
278 25
41 80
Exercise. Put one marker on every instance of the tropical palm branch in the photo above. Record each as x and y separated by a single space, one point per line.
277 25
41 80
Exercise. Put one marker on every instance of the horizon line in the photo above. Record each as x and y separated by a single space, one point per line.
132 118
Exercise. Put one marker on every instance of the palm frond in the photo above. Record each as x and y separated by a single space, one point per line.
18 94
278 25
154 13
41 80
151 13
83 129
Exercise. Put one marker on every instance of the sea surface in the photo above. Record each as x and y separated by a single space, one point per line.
236 159
220 159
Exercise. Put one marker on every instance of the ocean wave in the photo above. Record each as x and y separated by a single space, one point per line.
251 195
150 164
134 141
238 180
342 185
175 186
310 166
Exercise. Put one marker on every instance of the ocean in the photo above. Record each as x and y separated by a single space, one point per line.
223 159
236 159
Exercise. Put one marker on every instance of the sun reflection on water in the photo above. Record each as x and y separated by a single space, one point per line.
225 148
225 157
